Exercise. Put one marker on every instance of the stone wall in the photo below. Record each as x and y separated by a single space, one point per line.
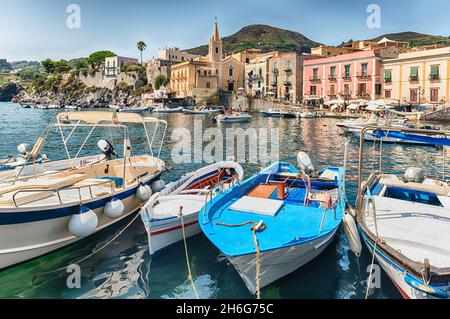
441 115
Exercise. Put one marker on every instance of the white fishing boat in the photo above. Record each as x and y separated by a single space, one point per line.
186 196
42 213
115 107
235 117
71 107
168 110
202 110
307 115
358 123
135 109
405 223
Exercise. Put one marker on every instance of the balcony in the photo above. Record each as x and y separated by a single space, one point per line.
346 77
332 78
255 76
315 79
363 95
274 84
388 80
287 83
413 78
275 71
434 77
363 76
288 69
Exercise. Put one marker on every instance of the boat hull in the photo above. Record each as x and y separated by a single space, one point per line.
29 233
397 275
166 232
278 263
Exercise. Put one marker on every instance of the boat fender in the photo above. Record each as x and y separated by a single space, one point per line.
114 208
352 234
83 223
144 192
305 163
158 185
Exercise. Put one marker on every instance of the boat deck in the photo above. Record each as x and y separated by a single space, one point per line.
293 224
416 230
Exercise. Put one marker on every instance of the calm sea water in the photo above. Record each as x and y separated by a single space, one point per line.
125 270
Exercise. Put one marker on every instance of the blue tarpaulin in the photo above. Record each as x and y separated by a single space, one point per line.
414 137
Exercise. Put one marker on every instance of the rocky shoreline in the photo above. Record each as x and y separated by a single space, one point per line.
82 97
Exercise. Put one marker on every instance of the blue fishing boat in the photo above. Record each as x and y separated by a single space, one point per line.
277 220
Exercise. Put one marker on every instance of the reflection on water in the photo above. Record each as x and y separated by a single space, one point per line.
125 270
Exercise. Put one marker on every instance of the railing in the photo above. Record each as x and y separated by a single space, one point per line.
288 69
387 80
347 77
413 79
58 194
434 77
363 76
332 78
314 79
287 83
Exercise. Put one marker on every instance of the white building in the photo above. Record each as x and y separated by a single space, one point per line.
175 55
114 63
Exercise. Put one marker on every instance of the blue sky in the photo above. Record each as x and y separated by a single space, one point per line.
36 29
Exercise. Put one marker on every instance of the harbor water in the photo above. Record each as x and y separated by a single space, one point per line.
124 269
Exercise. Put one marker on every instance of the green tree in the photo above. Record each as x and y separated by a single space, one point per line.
62 66
141 47
49 65
81 64
161 80
97 58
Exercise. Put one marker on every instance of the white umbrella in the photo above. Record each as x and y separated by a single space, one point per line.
337 101
372 106
334 107
353 107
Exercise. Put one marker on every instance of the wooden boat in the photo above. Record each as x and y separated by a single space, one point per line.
405 223
276 221
186 196
201 111
42 213
279 113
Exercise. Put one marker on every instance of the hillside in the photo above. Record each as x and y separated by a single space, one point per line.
416 39
262 37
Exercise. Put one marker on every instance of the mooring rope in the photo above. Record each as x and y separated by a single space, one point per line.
95 251
369 280
188 263
257 248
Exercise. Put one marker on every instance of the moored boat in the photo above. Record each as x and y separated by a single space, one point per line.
168 110
186 196
43 213
276 221
234 117
135 109
404 223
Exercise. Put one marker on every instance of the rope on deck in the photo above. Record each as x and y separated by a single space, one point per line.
254 230
188 264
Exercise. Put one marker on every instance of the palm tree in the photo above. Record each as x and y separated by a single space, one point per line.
141 47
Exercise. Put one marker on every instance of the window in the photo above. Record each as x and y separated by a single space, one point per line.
260 72
413 95
414 74
259 84
347 71
288 66
347 89
332 90
217 50
313 90
315 73
388 76
230 72
208 85
377 89
387 94
434 72
434 95
333 72
364 69
247 60
362 89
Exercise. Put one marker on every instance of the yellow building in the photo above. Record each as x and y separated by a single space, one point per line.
205 76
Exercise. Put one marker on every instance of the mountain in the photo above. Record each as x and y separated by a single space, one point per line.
4 65
25 64
416 39
264 37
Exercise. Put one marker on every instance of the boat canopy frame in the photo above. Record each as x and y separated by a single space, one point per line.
364 130
94 120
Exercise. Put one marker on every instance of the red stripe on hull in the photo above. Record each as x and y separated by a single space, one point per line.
162 231
400 290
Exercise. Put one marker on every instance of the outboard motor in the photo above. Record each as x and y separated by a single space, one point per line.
107 149
24 149
414 175
305 164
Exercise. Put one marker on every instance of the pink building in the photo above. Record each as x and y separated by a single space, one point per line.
348 76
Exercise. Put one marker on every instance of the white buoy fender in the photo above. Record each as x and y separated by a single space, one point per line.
158 185
84 223
114 208
144 192
351 231
304 162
